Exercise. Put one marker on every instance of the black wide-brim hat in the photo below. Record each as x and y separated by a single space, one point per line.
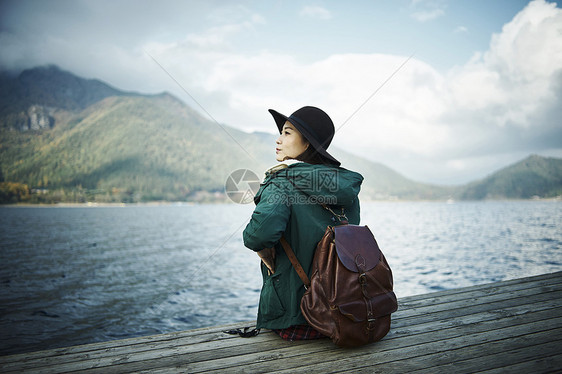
314 124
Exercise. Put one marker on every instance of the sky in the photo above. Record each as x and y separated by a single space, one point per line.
442 91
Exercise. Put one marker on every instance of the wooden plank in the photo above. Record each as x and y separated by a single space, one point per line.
193 336
383 353
423 355
326 348
327 353
554 305
112 356
191 342
459 300
468 293
464 307
210 351
550 364
212 333
427 327
517 282
496 355
214 344
209 334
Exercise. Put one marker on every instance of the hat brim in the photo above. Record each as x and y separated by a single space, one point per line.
280 120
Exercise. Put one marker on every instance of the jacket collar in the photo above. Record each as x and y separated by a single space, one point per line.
282 165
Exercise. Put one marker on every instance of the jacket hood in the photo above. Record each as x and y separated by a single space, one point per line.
331 184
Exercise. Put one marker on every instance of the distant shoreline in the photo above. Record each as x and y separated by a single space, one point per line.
98 205
192 203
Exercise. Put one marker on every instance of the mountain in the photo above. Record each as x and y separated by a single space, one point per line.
65 138
534 176
28 100
125 148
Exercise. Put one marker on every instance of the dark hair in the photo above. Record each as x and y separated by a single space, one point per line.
311 156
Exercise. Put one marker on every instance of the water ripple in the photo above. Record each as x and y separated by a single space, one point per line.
79 275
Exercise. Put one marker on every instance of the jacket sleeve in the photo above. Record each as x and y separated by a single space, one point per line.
269 220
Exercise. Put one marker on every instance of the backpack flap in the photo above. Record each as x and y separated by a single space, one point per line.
356 246
380 305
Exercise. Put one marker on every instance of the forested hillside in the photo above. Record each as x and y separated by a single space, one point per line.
65 138
534 176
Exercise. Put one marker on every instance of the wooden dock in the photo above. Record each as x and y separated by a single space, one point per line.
513 326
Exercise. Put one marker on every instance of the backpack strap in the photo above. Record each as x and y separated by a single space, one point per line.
293 258
295 262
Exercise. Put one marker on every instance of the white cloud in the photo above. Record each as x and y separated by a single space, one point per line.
446 124
428 15
515 76
460 30
315 12
427 10
218 36
443 127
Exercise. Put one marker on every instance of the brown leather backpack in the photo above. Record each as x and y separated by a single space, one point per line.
349 297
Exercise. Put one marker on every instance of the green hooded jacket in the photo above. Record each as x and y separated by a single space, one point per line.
289 203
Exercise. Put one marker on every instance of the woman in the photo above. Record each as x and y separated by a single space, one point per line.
293 202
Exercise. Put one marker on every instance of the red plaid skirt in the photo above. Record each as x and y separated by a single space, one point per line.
299 332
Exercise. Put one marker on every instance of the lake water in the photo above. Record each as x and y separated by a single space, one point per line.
74 275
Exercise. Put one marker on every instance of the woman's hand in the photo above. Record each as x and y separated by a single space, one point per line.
267 256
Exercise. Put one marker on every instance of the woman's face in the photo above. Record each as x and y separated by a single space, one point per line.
290 143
